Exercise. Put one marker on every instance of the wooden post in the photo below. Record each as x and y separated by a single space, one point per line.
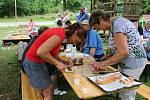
91 5
115 7
15 10
64 5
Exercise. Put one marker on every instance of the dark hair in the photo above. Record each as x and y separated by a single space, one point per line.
42 29
95 17
81 32
68 22
31 20
82 7
104 16
59 23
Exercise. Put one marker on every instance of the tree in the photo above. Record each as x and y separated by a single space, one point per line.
64 5
145 6
31 7
6 4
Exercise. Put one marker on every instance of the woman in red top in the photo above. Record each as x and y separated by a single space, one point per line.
44 50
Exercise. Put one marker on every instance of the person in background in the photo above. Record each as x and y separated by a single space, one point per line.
93 44
59 17
67 24
59 23
31 25
40 31
45 49
126 48
146 30
140 29
65 17
34 32
82 16
147 49
58 20
138 26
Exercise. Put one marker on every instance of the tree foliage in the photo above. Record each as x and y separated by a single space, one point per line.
31 7
6 8
24 7
145 6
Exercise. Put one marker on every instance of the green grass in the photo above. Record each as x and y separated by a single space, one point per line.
36 18
4 31
9 74
46 17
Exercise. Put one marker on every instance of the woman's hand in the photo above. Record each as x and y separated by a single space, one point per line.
98 66
60 65
147 48
144 37
68 63
64 64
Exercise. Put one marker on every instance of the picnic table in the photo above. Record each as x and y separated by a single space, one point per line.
15 38
86 89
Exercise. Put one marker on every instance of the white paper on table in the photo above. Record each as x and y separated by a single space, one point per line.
69 71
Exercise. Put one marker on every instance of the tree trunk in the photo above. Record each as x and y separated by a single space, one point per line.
91 5
64 5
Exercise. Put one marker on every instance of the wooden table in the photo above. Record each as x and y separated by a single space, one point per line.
15 38
86 89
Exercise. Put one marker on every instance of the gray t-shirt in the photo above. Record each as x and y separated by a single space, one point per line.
137 56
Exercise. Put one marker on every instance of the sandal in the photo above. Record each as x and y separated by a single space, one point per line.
58 92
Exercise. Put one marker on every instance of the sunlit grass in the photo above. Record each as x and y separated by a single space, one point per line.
37 18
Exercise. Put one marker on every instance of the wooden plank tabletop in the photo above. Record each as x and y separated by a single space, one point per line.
86 89
16 37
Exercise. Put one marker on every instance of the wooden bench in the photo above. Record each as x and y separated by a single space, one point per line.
21 47
28 92
144 91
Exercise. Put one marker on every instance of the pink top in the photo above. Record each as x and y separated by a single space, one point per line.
30 26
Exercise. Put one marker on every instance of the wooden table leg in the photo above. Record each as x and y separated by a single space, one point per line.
117 96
